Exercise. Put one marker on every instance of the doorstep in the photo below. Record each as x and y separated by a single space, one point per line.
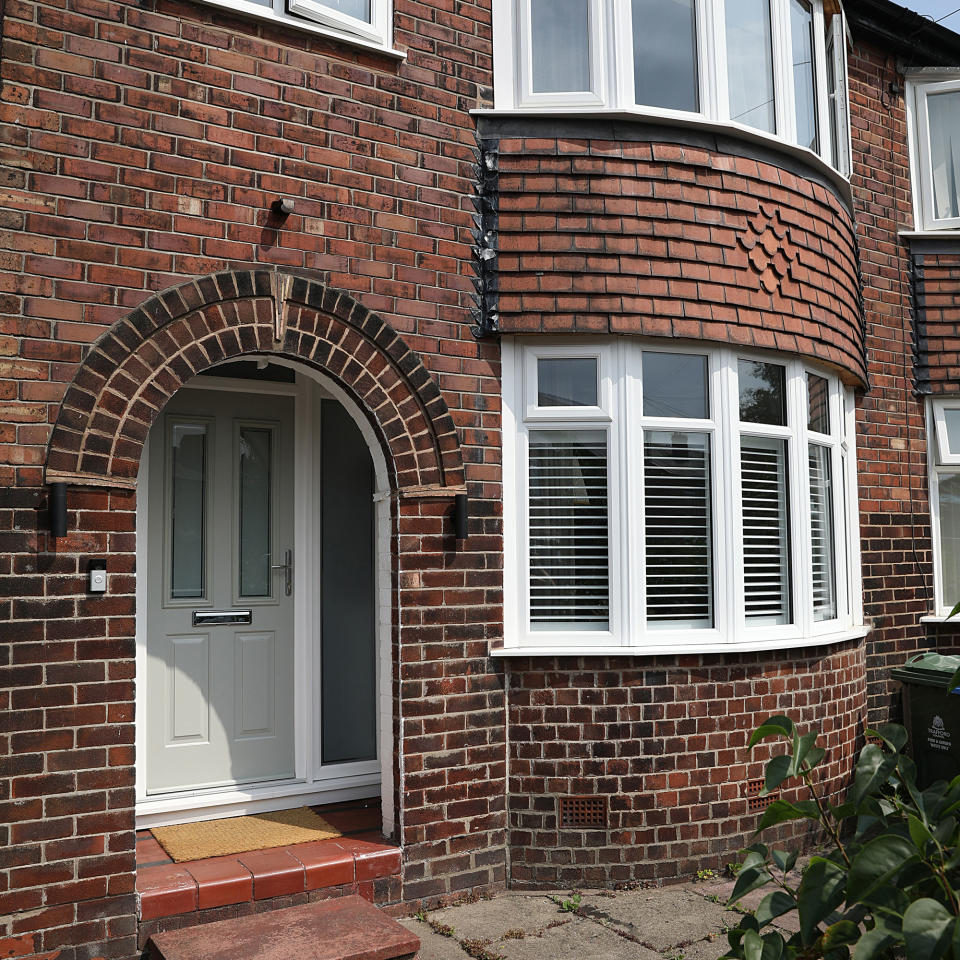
352 863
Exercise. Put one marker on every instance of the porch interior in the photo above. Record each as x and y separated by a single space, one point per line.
351 863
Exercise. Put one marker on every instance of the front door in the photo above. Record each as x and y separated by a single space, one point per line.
220 641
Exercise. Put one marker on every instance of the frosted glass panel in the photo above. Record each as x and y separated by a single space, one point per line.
567 382
255 502
188 488
359 9
804 76
950 537
944 114
560 45
665 54
750 63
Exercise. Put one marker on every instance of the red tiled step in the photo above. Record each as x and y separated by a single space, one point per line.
174 888
348 928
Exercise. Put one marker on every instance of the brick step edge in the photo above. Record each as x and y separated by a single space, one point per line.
348 928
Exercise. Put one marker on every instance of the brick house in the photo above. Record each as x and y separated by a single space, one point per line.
461 417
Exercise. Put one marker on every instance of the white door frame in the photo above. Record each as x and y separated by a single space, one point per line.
312 782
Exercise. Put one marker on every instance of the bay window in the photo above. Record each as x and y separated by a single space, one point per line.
664 497
944 471
775 66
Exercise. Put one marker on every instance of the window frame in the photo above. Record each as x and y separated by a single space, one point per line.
613 86
921 160
628 631
940 462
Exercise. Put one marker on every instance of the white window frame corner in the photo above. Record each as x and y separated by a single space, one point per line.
377 31
919 88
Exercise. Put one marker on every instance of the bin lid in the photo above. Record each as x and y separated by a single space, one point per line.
930 668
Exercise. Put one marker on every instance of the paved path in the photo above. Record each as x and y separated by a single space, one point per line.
682 922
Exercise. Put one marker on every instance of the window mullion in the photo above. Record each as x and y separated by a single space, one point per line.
800 512
620 17
783 91
718 38
634 578
727 416
822 104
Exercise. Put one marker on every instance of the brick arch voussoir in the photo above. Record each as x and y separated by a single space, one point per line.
143 359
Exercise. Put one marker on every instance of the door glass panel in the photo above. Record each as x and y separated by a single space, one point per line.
256 445
560 45
188 493
750 63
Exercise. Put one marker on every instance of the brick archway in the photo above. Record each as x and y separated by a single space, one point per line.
143 359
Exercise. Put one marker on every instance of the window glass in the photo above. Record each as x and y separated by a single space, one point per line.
188 494
949 496
675 385
822 533
567 381
818 403
665 54
560 45
951 417
678 539
832 97
750 63
766 532
943 111
255 511
763 395
569 538
804 74
358 9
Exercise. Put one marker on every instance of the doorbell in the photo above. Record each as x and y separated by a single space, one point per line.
97 570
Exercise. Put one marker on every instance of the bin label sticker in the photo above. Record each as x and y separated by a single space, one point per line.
938 736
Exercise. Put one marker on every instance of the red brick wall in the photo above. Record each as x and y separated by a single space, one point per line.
891 433
141 147
936 278
664 739
672 240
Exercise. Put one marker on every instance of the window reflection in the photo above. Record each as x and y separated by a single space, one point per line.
665 54
750 63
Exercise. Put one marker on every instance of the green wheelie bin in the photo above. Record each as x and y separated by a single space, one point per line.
931 714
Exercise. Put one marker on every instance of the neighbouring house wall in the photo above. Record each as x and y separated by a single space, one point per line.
891 432
142 146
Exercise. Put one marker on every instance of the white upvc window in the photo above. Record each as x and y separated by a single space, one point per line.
935 152
776 66
663 496
943 417
364 22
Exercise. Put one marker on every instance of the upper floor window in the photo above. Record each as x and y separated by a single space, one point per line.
936 154
364 21
772 65
661 496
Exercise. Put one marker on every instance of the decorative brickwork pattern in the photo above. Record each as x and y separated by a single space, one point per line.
137 366
664 742
667 240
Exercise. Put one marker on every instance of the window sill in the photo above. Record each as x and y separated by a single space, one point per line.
677 649
256 13
687 121
938 618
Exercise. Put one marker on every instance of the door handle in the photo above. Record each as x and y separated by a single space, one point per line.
287 568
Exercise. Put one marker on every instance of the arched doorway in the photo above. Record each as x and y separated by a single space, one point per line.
349 376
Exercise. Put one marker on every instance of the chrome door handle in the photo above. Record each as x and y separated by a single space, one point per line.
287 568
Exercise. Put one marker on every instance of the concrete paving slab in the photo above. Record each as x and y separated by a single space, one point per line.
575 940
491 919
432 945
662 918
705 949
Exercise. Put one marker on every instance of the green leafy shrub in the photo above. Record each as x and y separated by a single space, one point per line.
887 885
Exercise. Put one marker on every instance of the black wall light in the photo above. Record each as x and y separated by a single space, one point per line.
460 515
57 508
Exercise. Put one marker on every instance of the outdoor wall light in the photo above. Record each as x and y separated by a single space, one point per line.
57 508
282 205
460 515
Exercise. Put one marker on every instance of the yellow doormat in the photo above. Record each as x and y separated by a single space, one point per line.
219 838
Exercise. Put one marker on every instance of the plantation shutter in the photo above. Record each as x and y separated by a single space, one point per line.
678 540
766 564
569 531
822 534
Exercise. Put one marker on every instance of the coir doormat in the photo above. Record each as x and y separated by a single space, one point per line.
219 838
